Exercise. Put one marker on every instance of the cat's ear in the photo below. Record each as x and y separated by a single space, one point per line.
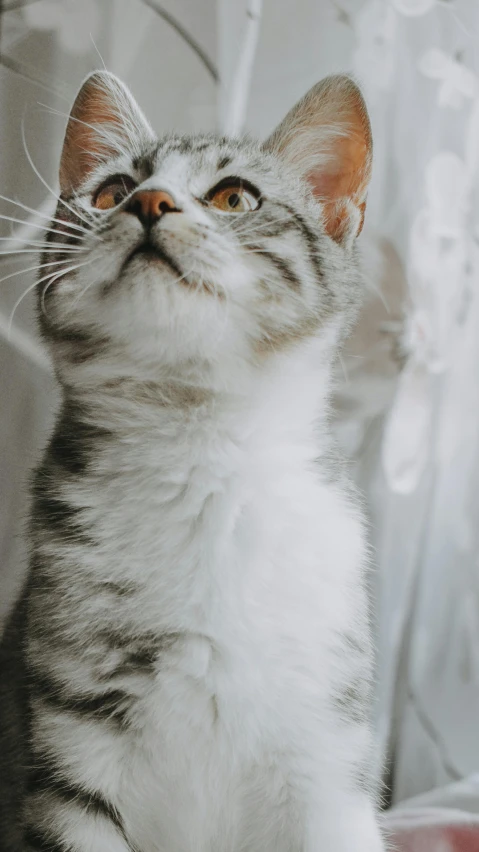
105 120
326 137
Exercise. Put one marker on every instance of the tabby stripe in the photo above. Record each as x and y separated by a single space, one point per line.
145 164
308 235
83 345
311 240
184 146
59 516
49 779
74 440
39 841
70 335
113 703
272 230
282 266
225 161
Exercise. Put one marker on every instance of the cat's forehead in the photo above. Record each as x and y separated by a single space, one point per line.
187 157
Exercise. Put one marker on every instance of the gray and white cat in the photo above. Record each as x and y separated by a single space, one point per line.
189 668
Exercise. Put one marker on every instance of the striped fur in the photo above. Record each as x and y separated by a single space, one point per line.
189 668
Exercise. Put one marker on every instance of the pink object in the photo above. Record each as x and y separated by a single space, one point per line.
445 819
436 839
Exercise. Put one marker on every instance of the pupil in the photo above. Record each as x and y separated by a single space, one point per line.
118 196
234 200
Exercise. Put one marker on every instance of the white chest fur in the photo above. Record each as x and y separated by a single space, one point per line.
255 588
249 562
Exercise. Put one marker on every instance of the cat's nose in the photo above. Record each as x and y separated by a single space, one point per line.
149 205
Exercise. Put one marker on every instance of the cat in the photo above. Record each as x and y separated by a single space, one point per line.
189 667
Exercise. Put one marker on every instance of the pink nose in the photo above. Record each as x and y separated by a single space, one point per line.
149 205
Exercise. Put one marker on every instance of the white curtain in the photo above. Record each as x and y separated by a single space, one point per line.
408 384
46 48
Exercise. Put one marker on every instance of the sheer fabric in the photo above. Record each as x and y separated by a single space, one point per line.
407 387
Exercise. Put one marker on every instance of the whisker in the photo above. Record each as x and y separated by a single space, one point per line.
248 228
62 272
273 221
42 179
16 305
181 278
82 292
35 247
11 256
109 137
275 283
27 291
272 216
40 227
25 344
44 216
38 250
98 52
35 268
40 242
261 230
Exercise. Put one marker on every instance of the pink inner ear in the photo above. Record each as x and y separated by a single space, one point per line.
326 137
94 107
104 117
344 179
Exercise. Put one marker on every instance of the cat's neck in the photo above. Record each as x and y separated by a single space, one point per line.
180 424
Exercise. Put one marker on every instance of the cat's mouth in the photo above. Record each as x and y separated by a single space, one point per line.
156 254
153 254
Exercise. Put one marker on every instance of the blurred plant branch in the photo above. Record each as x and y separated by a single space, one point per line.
240 86
18 68
185 35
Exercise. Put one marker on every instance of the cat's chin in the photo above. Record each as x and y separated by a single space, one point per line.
160 268
147 254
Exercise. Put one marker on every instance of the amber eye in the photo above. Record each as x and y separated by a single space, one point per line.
234 196
113 192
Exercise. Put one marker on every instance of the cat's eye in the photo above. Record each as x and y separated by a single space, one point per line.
113 191
234 195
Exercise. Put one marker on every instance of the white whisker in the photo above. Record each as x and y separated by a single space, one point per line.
181 278
35 268
98 52
40 243
247 228
82 292
62 272
28 290
40 227
39 250
42 179
44 216
109 137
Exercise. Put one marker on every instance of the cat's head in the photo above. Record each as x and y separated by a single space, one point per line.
202 252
